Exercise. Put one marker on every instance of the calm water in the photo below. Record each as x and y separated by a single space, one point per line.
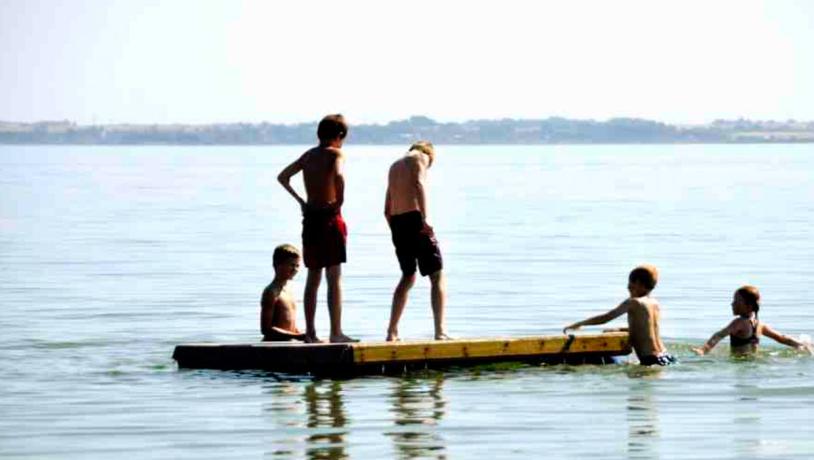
111 256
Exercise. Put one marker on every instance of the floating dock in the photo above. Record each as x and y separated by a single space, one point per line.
351 359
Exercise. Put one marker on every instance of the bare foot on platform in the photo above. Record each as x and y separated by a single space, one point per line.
313 339
443 336
392 336
342 338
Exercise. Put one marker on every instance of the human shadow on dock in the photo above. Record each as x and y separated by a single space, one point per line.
418 405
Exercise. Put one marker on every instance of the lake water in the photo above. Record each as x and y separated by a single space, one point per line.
110 256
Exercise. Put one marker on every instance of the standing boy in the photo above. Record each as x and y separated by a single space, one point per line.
323 230
405 208
642 318
278 314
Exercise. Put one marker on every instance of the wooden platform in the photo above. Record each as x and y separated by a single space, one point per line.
327 359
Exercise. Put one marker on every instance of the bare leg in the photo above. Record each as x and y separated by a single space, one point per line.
438 297
334 276
310 301
399 301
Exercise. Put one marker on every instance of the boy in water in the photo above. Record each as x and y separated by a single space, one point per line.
405 208
278 314
642 318
324 232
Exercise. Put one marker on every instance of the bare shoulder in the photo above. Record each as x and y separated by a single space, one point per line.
310 152
413 163
644 304
334 152
270 295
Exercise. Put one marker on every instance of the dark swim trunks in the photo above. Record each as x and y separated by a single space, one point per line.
412 245
664 359
324 235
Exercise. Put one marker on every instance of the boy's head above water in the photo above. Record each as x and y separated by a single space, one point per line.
745 301
642 280
286 261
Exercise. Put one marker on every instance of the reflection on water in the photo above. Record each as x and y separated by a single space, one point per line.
642 417
418 407
746 412
326 420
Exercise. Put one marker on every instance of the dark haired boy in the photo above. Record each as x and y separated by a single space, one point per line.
642 318
324 232
278 313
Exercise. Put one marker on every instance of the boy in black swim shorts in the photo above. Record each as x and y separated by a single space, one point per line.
405 208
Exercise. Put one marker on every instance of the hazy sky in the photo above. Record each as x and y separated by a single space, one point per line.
204 61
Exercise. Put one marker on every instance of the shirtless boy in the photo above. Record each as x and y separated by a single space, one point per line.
405 208
323 230
278 314
642 318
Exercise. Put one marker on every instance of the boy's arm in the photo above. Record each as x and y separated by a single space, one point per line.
784 339
387 204
279 333
284 178
339 180
421 195
420 179
716 337
267 309
599 319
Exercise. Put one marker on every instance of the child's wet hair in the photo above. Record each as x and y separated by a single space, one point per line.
331 127
646 275
750 296
285 252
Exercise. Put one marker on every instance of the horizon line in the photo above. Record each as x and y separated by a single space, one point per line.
411 117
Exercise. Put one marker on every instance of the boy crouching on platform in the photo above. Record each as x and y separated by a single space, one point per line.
278 314
642 318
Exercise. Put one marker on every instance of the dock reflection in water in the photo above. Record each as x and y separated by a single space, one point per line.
418 406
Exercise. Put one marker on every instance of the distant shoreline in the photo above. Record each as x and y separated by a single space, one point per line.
549 131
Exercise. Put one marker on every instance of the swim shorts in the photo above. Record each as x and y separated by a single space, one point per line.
324 236
664 359
413 245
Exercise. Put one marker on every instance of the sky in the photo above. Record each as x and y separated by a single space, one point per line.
177 61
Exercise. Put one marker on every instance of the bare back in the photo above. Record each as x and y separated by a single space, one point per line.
321 167
404 184
643 316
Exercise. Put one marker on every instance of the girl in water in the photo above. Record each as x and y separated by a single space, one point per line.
745 331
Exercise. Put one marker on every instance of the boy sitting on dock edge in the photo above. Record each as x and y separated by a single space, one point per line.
278 314
643 316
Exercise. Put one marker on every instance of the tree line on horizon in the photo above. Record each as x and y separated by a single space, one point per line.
554 130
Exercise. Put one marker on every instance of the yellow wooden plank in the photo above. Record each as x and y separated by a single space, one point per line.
615 343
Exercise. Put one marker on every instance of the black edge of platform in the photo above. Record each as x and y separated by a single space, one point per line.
310 359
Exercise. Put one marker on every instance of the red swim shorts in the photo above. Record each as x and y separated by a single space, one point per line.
324 236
